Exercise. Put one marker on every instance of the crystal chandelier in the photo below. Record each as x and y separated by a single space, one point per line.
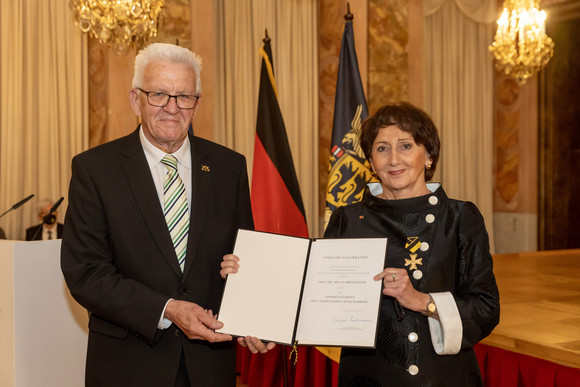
521 46
120 24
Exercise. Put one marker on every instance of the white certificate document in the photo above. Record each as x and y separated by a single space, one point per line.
262 298
340 301
291 289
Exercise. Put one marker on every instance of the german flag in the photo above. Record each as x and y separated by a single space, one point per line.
276 201
278 208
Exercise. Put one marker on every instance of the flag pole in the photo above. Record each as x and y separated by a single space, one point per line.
283 352
348 16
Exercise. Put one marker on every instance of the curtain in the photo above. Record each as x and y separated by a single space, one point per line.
43 98
292 26
458 94
503 368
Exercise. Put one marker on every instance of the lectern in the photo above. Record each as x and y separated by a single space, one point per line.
43 331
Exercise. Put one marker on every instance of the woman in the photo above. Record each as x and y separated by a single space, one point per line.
439 293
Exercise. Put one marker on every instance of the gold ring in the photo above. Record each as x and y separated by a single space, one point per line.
394 277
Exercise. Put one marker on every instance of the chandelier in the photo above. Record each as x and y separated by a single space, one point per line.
120 24
521 46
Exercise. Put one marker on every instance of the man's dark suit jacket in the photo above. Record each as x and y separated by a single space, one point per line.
32 233
120 264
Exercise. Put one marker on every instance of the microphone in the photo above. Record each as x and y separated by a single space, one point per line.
20 203
55 205
49 218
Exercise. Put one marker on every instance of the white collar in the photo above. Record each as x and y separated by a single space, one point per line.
154 154
377 189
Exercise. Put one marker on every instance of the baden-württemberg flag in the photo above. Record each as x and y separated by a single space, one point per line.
349 173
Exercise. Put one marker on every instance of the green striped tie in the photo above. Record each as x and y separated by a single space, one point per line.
175 208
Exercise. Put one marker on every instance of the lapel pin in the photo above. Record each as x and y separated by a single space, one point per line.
205 168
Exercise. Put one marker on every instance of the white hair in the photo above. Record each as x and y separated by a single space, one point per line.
42 204
164 52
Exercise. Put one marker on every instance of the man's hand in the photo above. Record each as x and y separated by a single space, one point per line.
255 345
196 322
230 265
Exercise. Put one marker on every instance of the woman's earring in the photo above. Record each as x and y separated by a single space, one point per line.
428 166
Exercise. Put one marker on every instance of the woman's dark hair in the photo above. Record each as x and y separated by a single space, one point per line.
408 118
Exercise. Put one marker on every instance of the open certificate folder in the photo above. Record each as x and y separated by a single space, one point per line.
293 290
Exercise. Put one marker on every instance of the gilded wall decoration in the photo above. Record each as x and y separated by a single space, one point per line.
388 54
330 24
506 134
110 76
175 23
98 88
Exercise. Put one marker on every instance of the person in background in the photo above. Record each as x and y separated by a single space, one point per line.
150 217
49 227
440 296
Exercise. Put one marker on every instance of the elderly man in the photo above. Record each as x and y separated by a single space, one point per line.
150 217
48 228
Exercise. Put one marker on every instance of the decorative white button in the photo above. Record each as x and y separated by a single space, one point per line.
433 200
413 370
430 218
413 337
424 246
417 274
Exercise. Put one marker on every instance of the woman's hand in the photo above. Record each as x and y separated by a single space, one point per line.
229 265
255 345
396 283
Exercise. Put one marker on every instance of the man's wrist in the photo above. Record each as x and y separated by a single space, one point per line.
164 322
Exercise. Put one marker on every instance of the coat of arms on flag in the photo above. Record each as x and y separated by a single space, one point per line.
349 171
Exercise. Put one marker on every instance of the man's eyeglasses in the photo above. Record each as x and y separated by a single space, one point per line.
159 99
